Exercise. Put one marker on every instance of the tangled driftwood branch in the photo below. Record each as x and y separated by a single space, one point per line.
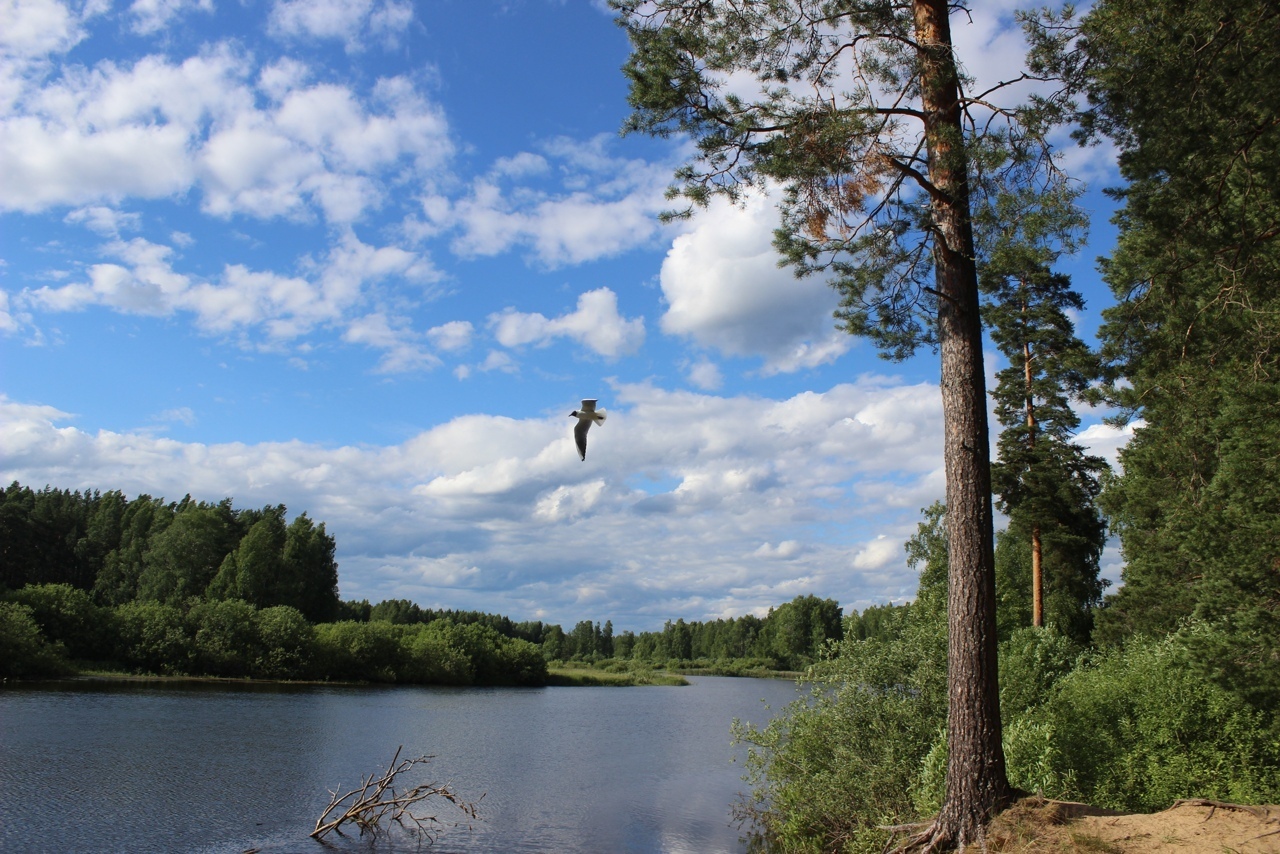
376 804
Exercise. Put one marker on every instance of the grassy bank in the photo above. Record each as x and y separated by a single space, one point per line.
558 676
733 670
588 676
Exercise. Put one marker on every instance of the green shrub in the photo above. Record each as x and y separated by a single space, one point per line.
286 644
492 658
480 644
153 638
1137 729
360 652
1032 661
432 660
24 650
522 663
225 637
67 614
847 759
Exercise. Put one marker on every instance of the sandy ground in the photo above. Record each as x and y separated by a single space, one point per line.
1189 827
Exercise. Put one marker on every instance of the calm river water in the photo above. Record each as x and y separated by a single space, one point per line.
124 767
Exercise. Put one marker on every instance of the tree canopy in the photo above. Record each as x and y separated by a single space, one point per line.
1190 94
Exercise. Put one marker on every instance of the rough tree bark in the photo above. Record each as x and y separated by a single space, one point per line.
977 786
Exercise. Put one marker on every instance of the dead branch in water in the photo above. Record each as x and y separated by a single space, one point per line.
376 804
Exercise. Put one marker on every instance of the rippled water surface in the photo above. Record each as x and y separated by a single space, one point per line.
88 767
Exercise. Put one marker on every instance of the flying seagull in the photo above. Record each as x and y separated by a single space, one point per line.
586 415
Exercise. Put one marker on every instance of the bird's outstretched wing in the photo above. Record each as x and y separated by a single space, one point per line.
580 436
589 406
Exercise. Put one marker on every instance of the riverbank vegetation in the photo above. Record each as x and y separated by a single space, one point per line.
1130 726
614 676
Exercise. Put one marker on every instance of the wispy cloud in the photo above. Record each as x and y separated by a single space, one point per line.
352 22
151 16
602 205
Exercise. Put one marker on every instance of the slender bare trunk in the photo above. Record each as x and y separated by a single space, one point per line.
1037 568
1037 579
977 786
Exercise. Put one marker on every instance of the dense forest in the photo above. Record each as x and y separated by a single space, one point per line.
99 581
923 201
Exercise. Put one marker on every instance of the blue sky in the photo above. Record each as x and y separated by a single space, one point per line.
362 257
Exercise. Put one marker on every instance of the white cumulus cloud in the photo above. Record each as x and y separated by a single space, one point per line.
724 290
158 129
452 336
30 28
141 278
595 324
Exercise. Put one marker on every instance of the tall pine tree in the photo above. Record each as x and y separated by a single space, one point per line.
1046 483
858 111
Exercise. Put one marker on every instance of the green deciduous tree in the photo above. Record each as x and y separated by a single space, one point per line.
624 645
143 518
181 560
679 640
225 637
286 644
68 615
582 640
104 527
24 651
554 645
278 564
859 112
798 630
309 561
434 660
154 638
255 570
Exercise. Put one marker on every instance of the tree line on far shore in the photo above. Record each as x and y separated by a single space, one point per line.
97 581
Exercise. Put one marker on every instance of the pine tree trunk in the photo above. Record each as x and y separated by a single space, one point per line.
1037 580
976 784
1037 576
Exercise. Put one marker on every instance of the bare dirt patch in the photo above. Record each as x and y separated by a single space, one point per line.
1039 826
